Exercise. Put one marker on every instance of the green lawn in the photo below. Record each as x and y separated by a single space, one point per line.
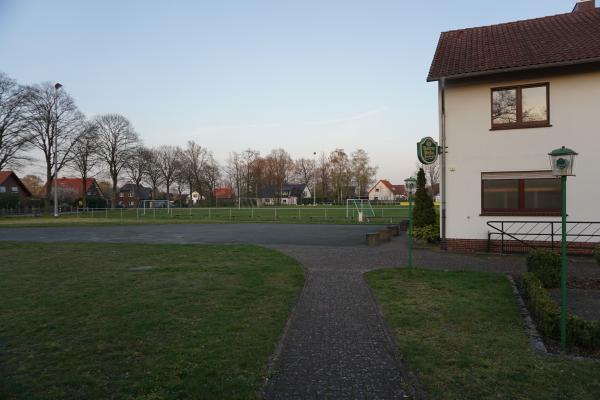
462 335
201 324
383 214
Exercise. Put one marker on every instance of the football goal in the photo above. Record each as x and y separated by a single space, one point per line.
359 208
249 202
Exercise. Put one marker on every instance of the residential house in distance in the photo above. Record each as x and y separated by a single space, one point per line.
224 193
131 197
288 194
508 95
10 184
70 191
383 190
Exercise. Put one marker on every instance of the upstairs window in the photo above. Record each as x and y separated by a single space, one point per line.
526 106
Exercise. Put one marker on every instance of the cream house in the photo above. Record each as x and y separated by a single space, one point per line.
508 95
383 190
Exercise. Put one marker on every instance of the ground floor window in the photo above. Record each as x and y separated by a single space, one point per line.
520 193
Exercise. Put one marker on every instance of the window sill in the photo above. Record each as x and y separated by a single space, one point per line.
520 214
510 127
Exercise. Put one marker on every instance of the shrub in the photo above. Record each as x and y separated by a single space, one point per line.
429 233
424 211
546 265
597 254
580 332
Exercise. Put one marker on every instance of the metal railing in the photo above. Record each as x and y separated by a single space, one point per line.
333 214
538 234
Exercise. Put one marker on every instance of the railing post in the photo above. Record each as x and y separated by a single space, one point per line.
502 241
552 235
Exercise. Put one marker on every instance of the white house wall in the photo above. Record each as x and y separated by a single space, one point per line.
473 148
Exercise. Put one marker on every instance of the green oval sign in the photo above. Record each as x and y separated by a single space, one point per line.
427 150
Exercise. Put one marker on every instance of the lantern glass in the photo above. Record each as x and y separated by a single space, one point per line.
411 185
562 161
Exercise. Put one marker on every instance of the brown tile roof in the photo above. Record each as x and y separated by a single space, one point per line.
572 38
72 184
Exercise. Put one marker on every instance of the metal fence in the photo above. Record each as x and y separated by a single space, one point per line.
543 234
301 214
333 214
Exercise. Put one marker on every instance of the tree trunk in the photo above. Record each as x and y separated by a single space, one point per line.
114 193
49 184
84 190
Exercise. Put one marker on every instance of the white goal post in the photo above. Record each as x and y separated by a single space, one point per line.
361 206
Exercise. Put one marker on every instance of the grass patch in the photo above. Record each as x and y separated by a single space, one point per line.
201 324
462 335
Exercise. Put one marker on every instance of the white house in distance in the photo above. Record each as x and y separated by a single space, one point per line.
383 190
508 95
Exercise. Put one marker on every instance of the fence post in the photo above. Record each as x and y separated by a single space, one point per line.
121 214
275 214
252 213
552 239
230 213
106 213
92 213
299 214
154 213
326 213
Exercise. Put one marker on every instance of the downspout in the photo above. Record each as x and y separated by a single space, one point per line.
442 116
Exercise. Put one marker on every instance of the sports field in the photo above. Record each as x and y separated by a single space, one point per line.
285 214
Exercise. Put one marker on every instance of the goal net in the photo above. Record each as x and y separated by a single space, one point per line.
356 206
250 202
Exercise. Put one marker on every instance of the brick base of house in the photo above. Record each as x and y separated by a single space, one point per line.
513 246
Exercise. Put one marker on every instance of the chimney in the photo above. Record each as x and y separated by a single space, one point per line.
585 5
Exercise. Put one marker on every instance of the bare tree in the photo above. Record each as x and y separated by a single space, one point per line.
193 160
211 174
85 155
323 168
168 157
361 170
234 169
153 171
304 170
52 119
279 167
340 172
136 168
34 183
14 136
432 172
117 143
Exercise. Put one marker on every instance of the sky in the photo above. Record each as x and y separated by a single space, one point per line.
307 76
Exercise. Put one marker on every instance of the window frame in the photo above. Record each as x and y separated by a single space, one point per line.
521 211
520 124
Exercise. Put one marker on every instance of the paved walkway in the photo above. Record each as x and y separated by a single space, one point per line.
336 345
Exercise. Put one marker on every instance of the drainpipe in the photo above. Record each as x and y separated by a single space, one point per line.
442 116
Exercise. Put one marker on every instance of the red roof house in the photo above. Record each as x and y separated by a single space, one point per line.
558 40
11 184
74 186
385 190
223 193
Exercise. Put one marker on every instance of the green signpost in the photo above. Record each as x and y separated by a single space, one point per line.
427 150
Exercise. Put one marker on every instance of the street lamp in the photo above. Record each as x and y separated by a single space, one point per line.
56 87
561 162
315 179
410 184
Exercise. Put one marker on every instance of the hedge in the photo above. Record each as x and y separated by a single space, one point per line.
546 265
580 332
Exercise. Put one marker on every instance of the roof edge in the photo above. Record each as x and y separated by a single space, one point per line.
515 69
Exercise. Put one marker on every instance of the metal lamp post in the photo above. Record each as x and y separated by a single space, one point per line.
56 87
315 179
410 184
561 162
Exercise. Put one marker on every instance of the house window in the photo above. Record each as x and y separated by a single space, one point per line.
520 193
14 189
2 189
525 106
